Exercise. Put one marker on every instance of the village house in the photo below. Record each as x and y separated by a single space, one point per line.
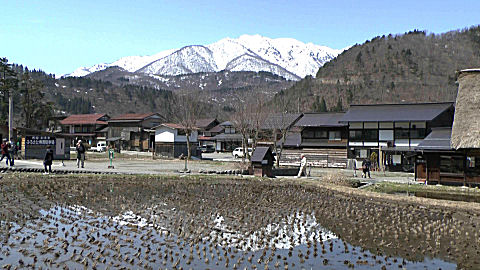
88 127
207 129
171 141
452 155
134 131
227 137
321 138
392 131
277 124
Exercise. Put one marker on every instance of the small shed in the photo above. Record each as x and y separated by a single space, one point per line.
262 161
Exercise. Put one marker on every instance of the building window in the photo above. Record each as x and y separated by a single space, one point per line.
181 132
335 135
321 134
229 130
471 162
370 135
315 134
417 133
309 134
356 135
385 135
401 133
360 153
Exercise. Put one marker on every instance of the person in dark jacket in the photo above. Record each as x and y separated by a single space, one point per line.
366 164
80 153
5 151
48 160
13 153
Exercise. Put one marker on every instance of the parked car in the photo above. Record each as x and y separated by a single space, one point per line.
101 147
238 152
207 149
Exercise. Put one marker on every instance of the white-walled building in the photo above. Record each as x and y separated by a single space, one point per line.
171 140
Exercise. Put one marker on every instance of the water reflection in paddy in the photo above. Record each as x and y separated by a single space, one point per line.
236 225
76 237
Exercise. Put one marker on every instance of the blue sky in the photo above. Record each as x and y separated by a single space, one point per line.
59 36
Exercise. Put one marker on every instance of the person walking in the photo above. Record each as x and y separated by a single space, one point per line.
13 153
48 160
80 153
5 151
369 167
303 166
366 164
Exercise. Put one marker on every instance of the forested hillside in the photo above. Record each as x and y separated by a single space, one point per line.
413 67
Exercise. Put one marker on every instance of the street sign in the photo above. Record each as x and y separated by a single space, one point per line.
35 147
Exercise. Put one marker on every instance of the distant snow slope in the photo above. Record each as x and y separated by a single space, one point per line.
285 57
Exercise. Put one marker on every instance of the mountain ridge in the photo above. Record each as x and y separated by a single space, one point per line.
287 57
410 67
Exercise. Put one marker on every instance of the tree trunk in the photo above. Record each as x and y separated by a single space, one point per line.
189 151
243 147
279 153
276 149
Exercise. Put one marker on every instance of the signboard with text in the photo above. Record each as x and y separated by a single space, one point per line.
36 146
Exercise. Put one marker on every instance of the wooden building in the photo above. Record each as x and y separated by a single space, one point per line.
207 129
134 131
392 131
436 161
321 138
171 141
457 159
262 162
88 127
227 138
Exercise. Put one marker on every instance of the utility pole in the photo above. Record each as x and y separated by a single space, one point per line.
10 115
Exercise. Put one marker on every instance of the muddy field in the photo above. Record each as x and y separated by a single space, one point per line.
133 222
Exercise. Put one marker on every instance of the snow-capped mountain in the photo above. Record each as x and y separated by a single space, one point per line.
285 57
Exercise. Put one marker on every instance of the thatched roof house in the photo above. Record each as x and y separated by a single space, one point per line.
466 124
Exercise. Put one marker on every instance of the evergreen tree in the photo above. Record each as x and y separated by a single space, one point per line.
35 111
339 106
319 106
8 86
323 105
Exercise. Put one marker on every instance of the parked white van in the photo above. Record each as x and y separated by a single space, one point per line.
238 152
101 147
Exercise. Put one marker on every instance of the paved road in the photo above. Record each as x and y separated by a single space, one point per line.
147 166
162 166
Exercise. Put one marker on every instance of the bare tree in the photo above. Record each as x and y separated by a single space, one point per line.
280 123
259 112
186 111
241 122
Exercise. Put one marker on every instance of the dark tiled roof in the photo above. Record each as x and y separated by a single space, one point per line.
171 125
438 139
132 116
395 112
217 129
293 140
204 123
226 123
281 121
259 154
84 119
321 120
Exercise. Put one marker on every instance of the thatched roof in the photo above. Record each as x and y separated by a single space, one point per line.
466 124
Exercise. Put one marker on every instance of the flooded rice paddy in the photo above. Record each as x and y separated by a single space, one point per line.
190 223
